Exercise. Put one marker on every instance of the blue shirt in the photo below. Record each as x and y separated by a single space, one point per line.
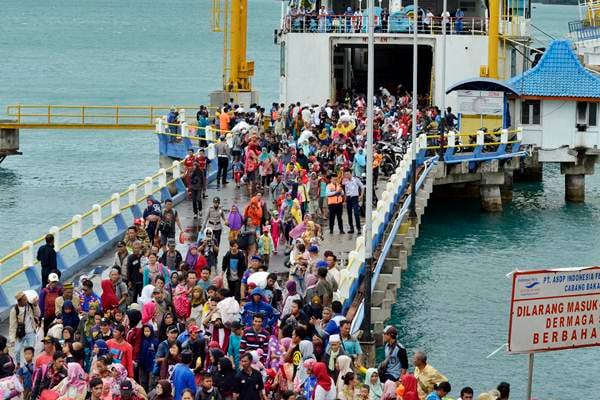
234 349
352 347
26 373
183 378
433 396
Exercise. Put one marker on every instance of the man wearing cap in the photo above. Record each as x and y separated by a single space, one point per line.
121 351
45 357
163 348
254 266
172 257
67 295
46 255
121 255
395 363
22 324
196 343
48 297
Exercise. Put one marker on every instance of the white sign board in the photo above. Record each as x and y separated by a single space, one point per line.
480 102
554 310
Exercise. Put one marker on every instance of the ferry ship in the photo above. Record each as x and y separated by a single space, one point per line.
324 51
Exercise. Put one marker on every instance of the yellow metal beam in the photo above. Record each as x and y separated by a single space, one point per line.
494 21
86 126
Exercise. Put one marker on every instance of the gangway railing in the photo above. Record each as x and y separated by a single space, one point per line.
391 236
88 235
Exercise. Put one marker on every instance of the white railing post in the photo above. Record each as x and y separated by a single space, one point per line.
55 231
148 186
28 253
181 117
162 178
159 125
451 139
421 142
176 170
504 136
97 215
480 138
115 204
184 129
164 125
76 227
520 133
133 194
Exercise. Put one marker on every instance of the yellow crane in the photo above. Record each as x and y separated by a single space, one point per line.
231 18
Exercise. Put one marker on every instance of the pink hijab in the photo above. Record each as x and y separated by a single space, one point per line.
148 312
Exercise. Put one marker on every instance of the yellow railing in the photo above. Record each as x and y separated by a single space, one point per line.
82 116
495 135
150 186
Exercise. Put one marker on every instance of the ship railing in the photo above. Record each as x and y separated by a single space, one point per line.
357 24
455 147
87 236
401 219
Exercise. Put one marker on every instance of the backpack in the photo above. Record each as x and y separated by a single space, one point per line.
50 302
182 306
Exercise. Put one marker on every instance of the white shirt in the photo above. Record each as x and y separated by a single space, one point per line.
428 16
321 394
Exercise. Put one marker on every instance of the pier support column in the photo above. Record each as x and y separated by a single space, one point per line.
575 176
491 199
575 188
506 190
530 169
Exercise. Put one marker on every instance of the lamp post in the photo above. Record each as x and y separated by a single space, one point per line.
369 189
413 202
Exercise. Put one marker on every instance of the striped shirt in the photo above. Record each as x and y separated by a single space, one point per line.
252 340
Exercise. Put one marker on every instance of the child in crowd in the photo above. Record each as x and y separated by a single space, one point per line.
233 351
275 230
238 171
265 245
25 373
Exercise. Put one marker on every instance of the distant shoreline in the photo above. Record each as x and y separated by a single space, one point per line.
561 2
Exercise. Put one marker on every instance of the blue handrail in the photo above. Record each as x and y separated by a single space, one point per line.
358 318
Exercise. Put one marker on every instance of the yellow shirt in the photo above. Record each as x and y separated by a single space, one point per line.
426 378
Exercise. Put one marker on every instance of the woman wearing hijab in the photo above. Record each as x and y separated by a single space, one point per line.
389 390
306 350
375 385
343 365
191 257
325 389
167 322
147 355
224 377
109 298
119 374
235 220
134 335
68 315
74 386
148 314
162 391
291 295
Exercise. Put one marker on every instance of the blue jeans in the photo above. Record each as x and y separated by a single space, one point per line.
353 207
20 344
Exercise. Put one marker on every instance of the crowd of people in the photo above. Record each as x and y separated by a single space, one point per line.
207 324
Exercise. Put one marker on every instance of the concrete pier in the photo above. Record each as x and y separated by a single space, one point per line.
575 188
506 189
491 199
530 169
575 176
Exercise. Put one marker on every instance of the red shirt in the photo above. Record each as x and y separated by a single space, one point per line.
122 352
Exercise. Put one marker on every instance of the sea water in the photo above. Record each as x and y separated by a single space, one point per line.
454 298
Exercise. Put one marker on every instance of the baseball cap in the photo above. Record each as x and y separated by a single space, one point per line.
53 277
48 339
126 387
172 329
170 242
19 295
194 329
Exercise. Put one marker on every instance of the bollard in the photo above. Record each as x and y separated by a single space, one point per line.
504 136
97 215
162 178
55 231
115 204
76 227
480 138
148 186
28 253
133 194
175 170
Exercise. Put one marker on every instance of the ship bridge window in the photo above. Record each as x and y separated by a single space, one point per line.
530 112
393 69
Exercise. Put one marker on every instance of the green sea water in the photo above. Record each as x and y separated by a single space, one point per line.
454 298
